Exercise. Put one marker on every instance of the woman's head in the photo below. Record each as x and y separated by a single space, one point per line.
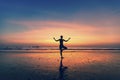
61 36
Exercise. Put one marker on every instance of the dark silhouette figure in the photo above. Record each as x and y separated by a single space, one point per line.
62 70
61 46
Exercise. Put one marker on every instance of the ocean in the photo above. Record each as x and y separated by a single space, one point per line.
46 64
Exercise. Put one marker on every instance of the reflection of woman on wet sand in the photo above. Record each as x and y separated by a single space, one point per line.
62 70
61 46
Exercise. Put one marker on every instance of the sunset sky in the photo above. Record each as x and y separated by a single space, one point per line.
87 22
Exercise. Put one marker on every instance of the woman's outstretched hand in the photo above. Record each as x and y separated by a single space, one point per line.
69 38
53 37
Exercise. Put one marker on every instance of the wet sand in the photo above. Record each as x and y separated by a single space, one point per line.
47 65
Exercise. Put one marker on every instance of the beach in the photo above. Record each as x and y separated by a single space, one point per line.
47 65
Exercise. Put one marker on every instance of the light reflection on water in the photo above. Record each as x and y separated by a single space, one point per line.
78 65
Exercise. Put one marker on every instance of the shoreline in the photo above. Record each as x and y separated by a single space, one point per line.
52 50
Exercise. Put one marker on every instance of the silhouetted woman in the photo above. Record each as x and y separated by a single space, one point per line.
61 46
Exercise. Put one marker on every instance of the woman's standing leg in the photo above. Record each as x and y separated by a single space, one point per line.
61 50
61 53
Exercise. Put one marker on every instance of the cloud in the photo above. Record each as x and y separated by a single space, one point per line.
53 24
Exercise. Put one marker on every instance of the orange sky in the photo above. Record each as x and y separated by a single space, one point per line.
42 33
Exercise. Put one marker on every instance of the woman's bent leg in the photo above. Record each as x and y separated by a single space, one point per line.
64 47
